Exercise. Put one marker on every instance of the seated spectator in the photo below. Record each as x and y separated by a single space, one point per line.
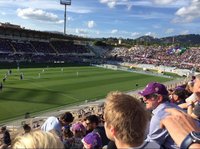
67 133
126 121
92 124
194 105
67 136
92 141
38 140
189 87
178 96
180 126
56 124
192 98
6 140
78 131
194 110
26 128
156 99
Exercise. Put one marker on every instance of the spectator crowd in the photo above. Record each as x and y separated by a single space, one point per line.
163 118
158 55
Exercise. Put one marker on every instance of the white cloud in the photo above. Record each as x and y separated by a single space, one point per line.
151 34
45 5
3 13
113 3
81 31
60 21
91 24
70 18
156 26
129 6
97 32
188 13
169 31
135 34
38 14
185 32
163 2
114 31
110 3
151 15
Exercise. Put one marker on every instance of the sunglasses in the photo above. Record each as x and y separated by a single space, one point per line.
151 96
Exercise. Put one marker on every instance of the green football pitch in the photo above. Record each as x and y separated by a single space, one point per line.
47 88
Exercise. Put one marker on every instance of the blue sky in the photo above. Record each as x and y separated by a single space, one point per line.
106 18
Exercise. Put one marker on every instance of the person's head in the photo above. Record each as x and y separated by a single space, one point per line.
196 88
78 129
3 129
125 119
189 86
38 139
91 122
66 118
26 128
154 94
178 95
92 141
67 133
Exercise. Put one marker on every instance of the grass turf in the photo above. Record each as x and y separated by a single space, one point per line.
55 88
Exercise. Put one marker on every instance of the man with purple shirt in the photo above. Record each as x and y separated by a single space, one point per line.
156 99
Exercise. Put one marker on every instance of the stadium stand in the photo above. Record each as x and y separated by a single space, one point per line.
5 46
17 44
42 47
158 55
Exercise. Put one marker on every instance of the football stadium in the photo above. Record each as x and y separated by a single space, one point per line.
72 76
50 87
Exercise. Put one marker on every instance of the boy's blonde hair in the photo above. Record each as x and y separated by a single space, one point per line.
128 117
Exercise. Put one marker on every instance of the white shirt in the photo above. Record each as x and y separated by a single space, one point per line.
192 97
52 123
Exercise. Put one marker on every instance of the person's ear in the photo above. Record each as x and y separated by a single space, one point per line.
112 130
159 98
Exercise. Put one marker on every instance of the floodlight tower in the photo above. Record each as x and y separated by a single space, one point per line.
65 2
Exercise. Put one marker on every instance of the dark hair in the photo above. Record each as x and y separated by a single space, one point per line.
26 127
180 94
93 119
3 128
67 117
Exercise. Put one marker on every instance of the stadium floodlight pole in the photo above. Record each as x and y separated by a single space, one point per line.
65 2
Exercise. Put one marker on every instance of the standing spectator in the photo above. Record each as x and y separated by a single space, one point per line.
54 123
155 96
6 140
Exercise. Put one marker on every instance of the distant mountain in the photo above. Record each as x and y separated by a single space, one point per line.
147 39
190 39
